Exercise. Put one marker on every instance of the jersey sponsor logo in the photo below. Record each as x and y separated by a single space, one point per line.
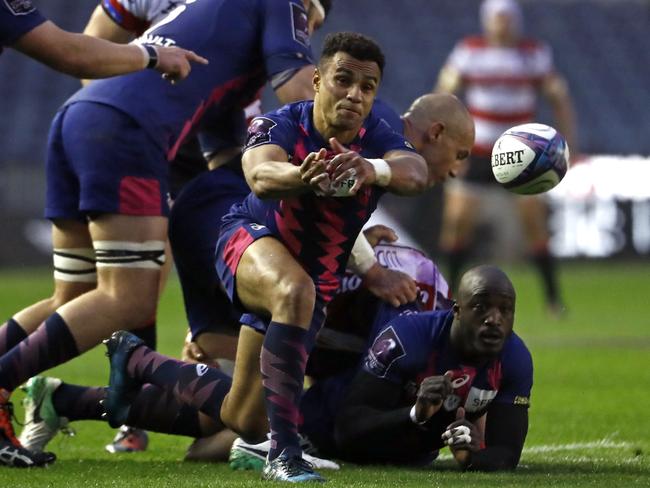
20 7
299 24
478 399
522 400
259 131
460 381
257 226
156 40
201 369
385 350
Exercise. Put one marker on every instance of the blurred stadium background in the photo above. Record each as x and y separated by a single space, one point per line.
601 210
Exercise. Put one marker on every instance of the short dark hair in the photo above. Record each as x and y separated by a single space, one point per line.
356 45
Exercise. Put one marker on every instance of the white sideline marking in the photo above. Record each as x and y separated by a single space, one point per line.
605 443
600 444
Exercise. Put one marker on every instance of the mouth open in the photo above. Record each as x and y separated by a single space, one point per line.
492 338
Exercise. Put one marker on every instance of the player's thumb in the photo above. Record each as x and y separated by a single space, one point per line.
337 146
460 413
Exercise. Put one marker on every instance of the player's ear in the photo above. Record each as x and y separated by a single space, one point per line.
316 79
436 130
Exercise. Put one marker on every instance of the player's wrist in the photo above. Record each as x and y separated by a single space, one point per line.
150 55
383 172
362 258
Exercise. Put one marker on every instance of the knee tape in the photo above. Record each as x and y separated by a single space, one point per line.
124 254
75 264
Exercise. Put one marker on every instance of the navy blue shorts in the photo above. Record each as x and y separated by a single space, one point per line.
99 160
194 223
237 233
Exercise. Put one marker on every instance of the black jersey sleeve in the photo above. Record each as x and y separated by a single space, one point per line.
373 426
505 432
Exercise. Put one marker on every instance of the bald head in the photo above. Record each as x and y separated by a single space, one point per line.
484 279
443 108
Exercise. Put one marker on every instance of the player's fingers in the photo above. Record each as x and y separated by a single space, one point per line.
195 58
337 146
460 413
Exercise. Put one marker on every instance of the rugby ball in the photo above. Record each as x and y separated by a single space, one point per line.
530 158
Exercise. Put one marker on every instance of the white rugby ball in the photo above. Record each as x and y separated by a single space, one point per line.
530 158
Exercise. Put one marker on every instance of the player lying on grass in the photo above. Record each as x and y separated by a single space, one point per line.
421 375
460 378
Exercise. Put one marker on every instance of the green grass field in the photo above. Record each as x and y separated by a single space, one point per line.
589 420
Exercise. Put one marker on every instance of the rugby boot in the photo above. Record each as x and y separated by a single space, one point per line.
12 453
42 422
129 439
244 457
290 468
122 389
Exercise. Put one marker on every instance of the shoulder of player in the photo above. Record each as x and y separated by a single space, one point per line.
421 326
531 45
515 353
472 42
142 10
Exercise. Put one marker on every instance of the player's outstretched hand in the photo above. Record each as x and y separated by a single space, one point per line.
174 62
349 169
377 233
432 392
313 173
391 286
462 437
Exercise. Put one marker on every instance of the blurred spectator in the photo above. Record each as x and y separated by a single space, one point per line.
501 74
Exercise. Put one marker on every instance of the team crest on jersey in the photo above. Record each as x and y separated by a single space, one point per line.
300 24
20 7
386 349
259 131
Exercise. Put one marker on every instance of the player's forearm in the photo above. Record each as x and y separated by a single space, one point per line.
79 55
276 179
409 174
357 424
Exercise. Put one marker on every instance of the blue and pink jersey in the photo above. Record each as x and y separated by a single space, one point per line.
17 18
318 231
247 43
409 347
412 347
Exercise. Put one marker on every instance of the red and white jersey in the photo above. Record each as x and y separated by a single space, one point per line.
138 15
501 84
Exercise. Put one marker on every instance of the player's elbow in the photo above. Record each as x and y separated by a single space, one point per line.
261 189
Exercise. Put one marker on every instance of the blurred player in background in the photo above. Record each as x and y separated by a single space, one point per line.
501 73
107 183
23 28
